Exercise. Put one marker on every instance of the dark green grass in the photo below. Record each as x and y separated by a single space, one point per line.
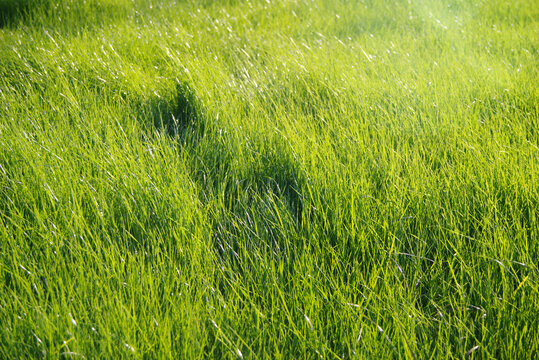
269 179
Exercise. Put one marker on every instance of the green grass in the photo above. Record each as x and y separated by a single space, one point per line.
269 179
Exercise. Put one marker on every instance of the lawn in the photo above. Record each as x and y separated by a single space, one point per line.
269 179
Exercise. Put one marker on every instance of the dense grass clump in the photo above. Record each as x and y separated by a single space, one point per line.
269 179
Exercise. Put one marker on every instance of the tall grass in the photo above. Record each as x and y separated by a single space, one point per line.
269 179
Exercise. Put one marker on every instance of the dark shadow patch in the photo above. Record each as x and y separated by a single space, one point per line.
13 11
179 118
254 204
259 219
273 171
275 175
63 16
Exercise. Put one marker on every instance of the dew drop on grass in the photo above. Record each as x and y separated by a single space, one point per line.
309 322
38 339
72 319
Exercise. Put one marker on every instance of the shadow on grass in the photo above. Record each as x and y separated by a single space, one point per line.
62 16
253 204
13 11
183 120
179 118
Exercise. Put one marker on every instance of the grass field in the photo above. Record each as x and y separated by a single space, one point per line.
281 179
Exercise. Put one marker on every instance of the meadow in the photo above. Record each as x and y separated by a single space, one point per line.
269 179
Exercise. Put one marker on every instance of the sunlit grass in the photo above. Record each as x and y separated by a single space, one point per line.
269 179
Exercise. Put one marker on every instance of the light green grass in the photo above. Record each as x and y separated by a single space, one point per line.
269 179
